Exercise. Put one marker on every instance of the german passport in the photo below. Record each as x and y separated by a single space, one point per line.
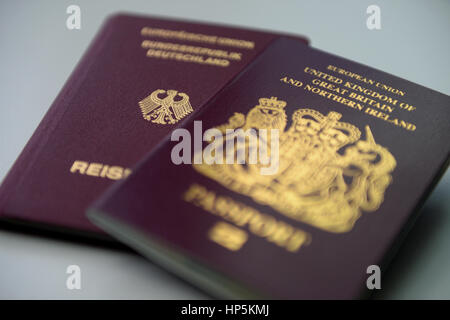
295 181
140 78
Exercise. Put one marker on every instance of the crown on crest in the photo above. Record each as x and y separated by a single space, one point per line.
272 103
328 127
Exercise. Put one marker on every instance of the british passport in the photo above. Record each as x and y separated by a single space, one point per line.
140 78
297 180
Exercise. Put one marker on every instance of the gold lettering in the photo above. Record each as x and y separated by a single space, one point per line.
99 170
260 224
80 166
94 169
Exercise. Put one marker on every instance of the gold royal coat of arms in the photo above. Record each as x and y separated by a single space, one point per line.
327 175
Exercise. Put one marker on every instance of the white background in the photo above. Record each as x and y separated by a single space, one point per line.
37 54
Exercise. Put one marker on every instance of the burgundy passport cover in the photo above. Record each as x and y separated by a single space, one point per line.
139 79
359 151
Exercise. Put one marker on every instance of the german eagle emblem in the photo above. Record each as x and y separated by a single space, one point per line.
327 175
165 107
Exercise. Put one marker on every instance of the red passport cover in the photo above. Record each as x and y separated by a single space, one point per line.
139 79
359 151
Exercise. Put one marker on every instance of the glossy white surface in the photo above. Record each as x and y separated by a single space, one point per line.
37 54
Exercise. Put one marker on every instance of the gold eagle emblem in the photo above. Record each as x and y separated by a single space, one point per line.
327 175
165 107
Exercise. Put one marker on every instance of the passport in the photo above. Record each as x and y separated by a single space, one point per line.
140 78
358 152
